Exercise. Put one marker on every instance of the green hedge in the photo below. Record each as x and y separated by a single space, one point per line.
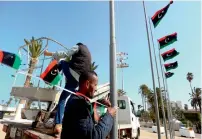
193 117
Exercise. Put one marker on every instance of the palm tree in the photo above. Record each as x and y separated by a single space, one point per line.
35 50
144 91
195 98
93 66
198 96
194 103
151 101
186 107
121 92
190 77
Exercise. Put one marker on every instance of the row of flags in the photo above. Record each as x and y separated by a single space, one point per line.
51 74
166 41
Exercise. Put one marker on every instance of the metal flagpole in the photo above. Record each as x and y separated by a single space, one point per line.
154 88
167 98
169 110
171 115
113 94
162 102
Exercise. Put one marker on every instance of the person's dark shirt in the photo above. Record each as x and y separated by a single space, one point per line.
78 121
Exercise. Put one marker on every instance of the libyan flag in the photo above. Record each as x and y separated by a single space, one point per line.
156 18
170 66
169 54
51 75
167 40
99 110
10 59
169 74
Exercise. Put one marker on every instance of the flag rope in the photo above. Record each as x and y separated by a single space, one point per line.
91 101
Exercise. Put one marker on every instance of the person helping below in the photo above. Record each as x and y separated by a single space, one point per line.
79 122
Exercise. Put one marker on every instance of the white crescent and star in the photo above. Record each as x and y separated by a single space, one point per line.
54 72
167 39
160 14
9 56
170 66
169 55
168 73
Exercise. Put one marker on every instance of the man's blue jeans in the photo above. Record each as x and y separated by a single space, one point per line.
71 84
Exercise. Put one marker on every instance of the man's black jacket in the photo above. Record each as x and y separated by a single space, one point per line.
78 121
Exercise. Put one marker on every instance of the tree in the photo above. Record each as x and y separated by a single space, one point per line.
152 116
35 50
121 92
151 101
186 107
93 66
178 113
190 77
144 91
195 98
198 97
158 91
145 115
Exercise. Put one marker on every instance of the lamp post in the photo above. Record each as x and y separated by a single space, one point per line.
121 59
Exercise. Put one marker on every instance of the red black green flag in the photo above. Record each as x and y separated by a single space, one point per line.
51 74
99 110
171 66
169 74
167 40
156 18
10 59
169 54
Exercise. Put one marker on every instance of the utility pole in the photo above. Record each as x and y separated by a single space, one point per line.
121 59
112 55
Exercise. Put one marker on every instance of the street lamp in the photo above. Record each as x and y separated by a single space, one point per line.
122 56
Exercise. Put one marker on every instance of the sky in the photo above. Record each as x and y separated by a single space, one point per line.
88 22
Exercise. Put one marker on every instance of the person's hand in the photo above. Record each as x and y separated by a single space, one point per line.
47 53
112 111
106 102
